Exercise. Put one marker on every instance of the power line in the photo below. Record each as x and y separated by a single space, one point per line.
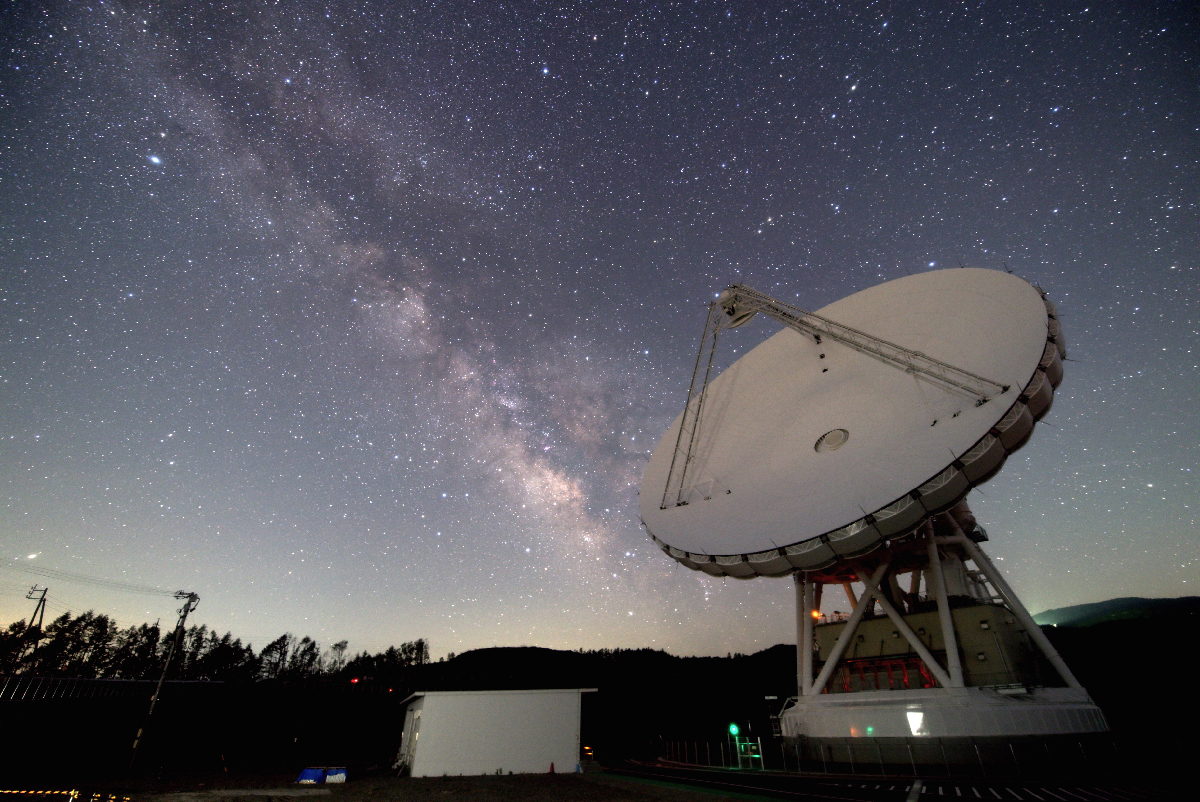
64 606
14 587
68 576
59 605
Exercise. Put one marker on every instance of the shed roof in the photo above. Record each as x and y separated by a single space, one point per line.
419 694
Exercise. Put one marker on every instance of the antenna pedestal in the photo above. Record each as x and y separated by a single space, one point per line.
936 649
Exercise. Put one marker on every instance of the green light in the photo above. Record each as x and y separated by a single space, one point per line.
870 730
733 729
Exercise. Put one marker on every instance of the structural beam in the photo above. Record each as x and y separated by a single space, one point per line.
798 583
675 491
949 638
1014 604
739 303
805 644
914 586
922 651
843 640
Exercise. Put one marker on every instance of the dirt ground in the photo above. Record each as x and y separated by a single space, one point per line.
590 787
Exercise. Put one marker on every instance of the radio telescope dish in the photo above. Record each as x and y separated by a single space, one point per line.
852 426
862 426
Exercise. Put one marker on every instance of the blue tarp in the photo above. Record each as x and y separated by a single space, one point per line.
319 775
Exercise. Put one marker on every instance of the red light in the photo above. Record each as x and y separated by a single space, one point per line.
354 681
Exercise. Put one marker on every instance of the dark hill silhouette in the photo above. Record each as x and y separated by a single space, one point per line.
533 667
1127 607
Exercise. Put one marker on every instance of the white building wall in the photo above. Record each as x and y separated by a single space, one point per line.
481 732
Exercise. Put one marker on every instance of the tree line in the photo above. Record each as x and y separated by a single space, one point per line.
91 646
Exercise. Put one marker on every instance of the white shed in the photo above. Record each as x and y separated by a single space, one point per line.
489 732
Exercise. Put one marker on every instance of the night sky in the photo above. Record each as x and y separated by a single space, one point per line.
360 319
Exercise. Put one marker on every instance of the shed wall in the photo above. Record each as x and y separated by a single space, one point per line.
484 732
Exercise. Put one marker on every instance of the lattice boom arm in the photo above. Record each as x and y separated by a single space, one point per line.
690 422
740 303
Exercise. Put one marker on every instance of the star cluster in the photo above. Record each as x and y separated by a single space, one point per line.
361 319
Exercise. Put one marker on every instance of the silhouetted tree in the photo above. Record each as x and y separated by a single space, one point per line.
274 657
305 660
222 658
13 643
335 659
74 647
136 653
292 659
390 665
89 645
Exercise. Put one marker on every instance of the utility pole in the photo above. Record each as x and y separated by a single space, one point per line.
39 614
190 601
39 611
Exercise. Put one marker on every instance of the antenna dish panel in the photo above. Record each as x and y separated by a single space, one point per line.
808 450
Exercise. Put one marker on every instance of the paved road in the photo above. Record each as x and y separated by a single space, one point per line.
780 785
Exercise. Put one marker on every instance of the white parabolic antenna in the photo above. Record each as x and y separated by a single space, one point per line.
840 451
853 425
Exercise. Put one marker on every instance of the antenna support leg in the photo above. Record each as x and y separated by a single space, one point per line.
850 594
953 664
804 631
1014 604
839 648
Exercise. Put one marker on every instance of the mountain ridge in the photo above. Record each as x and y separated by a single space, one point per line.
1119 609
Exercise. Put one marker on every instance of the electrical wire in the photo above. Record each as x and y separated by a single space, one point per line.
58 606
61 605
68 576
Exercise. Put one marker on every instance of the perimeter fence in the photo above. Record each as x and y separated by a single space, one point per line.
62 727
23 688
745 753
968 758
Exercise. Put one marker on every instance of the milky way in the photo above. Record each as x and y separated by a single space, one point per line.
361 319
